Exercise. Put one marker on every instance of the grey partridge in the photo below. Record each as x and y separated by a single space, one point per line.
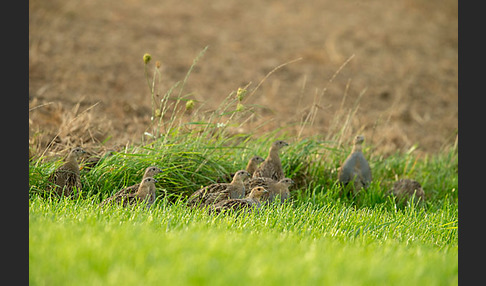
66 178
94 160
272 166
253 201
253 164
404 189
149 172
275 188
216 192
356 169
144 194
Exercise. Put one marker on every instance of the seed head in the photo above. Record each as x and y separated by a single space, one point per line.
240 107
240 93
190 105
147 58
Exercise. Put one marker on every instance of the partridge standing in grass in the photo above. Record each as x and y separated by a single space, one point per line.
250 167
66 178
249 203
94 160
275 188
272 166
404 189
144 194
355 168
253 164
220 191
149 172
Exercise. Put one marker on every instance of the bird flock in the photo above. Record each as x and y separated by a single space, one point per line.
262 182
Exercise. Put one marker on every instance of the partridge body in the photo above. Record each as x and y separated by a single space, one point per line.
94 160
253 164
356 169
253 201
220 191
66 178
275 188
272 166
149 172
144 194
406 188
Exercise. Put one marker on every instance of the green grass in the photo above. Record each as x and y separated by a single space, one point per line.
80 244
320 238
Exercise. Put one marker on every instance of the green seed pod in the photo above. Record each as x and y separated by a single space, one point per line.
240 93
240 107
147 58
190 105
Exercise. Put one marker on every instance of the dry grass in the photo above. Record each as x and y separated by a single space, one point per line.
74 128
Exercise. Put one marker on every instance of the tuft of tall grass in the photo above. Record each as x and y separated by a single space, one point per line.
189 163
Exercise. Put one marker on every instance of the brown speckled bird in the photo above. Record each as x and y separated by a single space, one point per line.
404 189
93 160
356 168
275 188
220 191
249 203
149 172
144 194
272 166
253 164
66 178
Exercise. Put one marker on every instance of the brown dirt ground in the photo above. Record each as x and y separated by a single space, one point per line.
87 81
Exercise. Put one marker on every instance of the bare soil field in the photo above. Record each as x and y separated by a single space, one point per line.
385 69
